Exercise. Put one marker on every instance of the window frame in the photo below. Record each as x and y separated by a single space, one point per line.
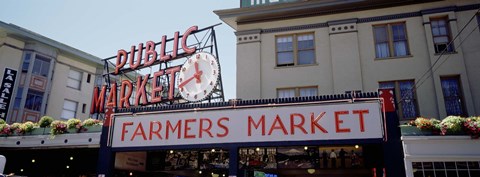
70 78
448 35
63 109
391 40
44 61
36 95
398 98
461 95
296 90
295 49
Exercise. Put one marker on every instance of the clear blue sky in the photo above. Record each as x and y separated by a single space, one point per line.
101 27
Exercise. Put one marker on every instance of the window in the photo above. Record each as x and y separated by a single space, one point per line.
88 78
18 98
74 79
34 100
297 49
69 109
26 62
41 66
404 92
442 169
297 92
452 95
391 40
441 35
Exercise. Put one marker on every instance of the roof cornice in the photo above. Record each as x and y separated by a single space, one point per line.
25 34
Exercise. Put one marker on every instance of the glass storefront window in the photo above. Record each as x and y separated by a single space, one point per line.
446 169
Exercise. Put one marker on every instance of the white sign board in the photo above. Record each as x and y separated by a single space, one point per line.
264 124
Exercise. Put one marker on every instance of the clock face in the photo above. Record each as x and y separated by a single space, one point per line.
198 76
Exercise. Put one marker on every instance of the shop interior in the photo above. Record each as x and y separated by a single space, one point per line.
342 160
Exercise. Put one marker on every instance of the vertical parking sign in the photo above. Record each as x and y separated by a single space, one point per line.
6 91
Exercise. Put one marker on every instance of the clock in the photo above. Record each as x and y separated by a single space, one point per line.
198 77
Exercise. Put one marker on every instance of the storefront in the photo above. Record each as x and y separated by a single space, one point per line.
328 136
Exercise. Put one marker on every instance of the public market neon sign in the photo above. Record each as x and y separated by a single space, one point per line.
144 57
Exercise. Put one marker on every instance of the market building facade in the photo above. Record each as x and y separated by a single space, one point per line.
426 51
49 75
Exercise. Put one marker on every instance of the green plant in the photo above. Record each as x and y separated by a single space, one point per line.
472 127
5 129
16 127
45 121
424 123
74 123
90 122
58 127
2 121
451 124
28 126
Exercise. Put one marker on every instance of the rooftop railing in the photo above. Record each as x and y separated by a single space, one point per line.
251 3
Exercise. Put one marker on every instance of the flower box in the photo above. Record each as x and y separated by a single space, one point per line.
39 131
92 128
414 131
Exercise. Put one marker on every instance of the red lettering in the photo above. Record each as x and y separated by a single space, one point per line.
112 98
139 131
125 97
171 87
222 126
207 130
338 122
361 118
279 126
133 64
141 90
251 121
175 45
314 122
149 51
184 40
98 100
121 60
164 57
188 128
178 127
300 125
124 126
156 87
156 131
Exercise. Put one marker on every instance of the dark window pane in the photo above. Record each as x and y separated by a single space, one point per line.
398 32
462 165
418 173
440 173
382 50
26 62
417 165
452 96
450 165
439 165
473 165
427 165
474 173
429 173
451 173
463 173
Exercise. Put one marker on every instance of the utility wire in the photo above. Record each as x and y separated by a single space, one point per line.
425 75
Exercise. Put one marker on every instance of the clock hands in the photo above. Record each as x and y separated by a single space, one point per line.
197 75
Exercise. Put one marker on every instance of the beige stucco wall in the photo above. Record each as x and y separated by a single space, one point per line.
60 91
364 74
10 57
